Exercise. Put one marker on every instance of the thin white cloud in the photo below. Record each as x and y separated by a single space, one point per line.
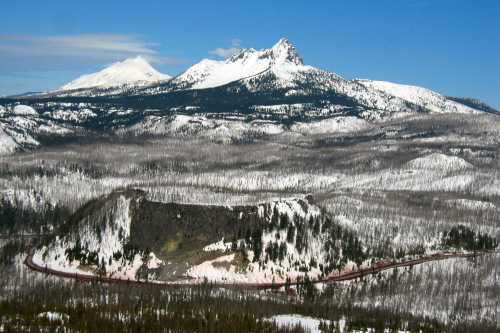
86 47
227 52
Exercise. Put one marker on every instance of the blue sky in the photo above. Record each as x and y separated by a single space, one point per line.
451 46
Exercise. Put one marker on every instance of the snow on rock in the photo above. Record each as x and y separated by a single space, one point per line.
426 98
24 110
438 161
133 71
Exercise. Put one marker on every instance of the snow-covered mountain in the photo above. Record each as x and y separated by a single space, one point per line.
281 70
131 72
243 78
282 59
426 98
251 94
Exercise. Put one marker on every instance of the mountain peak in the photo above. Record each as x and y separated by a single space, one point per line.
283 50
283 43
138 60
131 71
282 59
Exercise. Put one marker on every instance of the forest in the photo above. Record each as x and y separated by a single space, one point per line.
392 192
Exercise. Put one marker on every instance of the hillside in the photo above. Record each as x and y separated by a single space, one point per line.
126 236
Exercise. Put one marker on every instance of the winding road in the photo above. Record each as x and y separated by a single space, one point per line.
343 276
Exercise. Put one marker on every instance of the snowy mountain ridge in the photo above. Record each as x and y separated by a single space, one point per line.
251 94
278 69
281 58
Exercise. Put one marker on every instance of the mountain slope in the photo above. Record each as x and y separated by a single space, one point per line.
134 71
423 97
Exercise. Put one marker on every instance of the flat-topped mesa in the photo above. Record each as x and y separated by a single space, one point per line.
124 235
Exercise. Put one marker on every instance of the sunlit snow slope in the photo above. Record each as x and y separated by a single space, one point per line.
133 71
426 98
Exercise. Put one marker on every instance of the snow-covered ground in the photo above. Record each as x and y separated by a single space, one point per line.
218 130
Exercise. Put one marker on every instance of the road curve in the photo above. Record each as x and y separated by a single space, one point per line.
343 276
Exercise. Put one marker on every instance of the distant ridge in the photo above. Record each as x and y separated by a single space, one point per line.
475 103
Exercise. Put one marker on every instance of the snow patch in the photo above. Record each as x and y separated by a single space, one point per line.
438 161
24 110
54 316
218 246
309 324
